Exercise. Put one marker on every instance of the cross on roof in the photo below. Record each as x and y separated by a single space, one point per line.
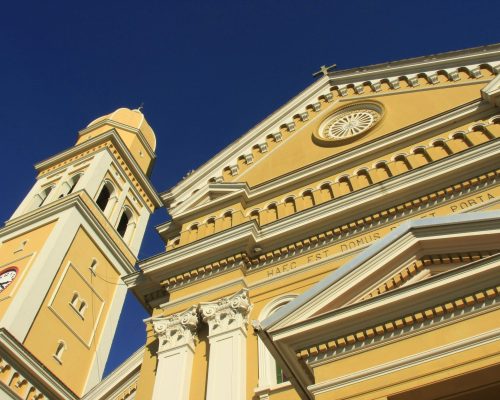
323 71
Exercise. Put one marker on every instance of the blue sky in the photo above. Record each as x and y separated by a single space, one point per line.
206 71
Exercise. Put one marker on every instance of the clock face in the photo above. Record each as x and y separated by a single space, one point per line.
7 277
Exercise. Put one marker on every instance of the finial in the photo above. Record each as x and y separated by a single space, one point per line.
141 107
324 70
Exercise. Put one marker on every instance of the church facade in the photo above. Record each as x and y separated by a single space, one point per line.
347 247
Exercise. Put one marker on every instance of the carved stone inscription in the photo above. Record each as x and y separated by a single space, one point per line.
353 242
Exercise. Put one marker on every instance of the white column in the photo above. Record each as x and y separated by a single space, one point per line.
175 354
227 321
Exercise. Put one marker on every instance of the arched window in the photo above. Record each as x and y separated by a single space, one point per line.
210 226
345 185
308 199
61 347
383 170
290 207
401 163
193 233
441 149
103 198
42 196
272 213
82 308
124 222
73 182
326 192
74 299
228 219
270 374
93 266
255 216
364 178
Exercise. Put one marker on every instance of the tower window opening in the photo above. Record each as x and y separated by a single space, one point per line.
43 195
61 347
123 224
82 308
74 182
93 266
74 299
103 198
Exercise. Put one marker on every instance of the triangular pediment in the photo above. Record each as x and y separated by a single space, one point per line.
420 250
374 116
408 93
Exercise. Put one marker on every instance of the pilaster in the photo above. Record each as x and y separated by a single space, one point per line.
227 319
176 336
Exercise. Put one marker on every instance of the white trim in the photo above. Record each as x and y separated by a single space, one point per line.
246 236
119 380
117 141
103 346
29 367
407 362
335 164
446 61
42 272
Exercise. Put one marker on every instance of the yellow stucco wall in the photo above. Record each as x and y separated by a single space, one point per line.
402 109
14 253
59 320
414 376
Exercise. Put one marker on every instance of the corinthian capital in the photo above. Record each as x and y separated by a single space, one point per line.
228 313
176 330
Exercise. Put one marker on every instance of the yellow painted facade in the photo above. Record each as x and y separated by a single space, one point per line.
284 211
344 248
63 256
61 316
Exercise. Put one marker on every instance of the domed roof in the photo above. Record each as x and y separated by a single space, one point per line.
134 119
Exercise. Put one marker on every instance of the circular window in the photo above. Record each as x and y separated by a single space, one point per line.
348 123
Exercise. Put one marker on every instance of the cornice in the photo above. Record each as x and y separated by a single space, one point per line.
318 353
474 55
53 210
470 59
402 238
117 141
117 124
31 368
272 122
468 343
120 379
491 92
241 192
177 263
382 315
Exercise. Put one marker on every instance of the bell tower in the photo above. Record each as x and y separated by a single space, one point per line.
63 254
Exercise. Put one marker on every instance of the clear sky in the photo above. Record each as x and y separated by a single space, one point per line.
206 71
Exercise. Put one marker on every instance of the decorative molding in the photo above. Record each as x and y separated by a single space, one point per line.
338 163
233 169
249 158
325 237
39 380
176 330
406 362
316 106
278 137
263 147
338 81
395 326
228 313
114 144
